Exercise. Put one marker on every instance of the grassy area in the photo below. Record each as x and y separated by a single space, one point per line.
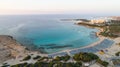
114 29
91 25
111 31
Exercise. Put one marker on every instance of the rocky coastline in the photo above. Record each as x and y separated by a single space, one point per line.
10 48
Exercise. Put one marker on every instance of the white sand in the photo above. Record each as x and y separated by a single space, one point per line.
111 50
95 65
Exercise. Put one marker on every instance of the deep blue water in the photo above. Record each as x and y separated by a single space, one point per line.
47 31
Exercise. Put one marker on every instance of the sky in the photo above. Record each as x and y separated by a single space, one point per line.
60 7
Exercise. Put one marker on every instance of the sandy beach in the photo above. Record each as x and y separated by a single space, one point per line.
112 49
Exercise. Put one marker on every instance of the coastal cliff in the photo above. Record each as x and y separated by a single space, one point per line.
10 48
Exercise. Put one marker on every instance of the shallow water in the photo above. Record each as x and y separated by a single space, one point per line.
47 31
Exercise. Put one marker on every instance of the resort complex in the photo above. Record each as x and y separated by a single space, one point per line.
102 21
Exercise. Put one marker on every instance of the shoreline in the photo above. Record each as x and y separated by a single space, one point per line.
97 43
101 38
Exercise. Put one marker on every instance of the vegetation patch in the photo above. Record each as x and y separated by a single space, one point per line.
85 57
37 57
62 58
62 61
104 63
117 54
43 58
27 58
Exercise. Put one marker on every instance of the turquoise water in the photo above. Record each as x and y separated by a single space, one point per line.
47 32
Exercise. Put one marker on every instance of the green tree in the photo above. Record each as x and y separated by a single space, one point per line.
104 63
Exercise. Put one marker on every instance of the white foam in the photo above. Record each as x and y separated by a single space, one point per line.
17 27
13 30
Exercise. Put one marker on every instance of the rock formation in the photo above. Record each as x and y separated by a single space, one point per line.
10 48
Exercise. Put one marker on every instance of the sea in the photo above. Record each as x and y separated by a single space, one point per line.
47 32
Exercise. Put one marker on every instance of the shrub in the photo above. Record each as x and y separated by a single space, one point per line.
51 64
66 58
27 58
37 57
104 63
20 65
85 57
69 65
117 54
62 58
57 59
42 58
78 64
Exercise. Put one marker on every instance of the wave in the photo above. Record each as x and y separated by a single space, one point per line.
12 30
17 27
